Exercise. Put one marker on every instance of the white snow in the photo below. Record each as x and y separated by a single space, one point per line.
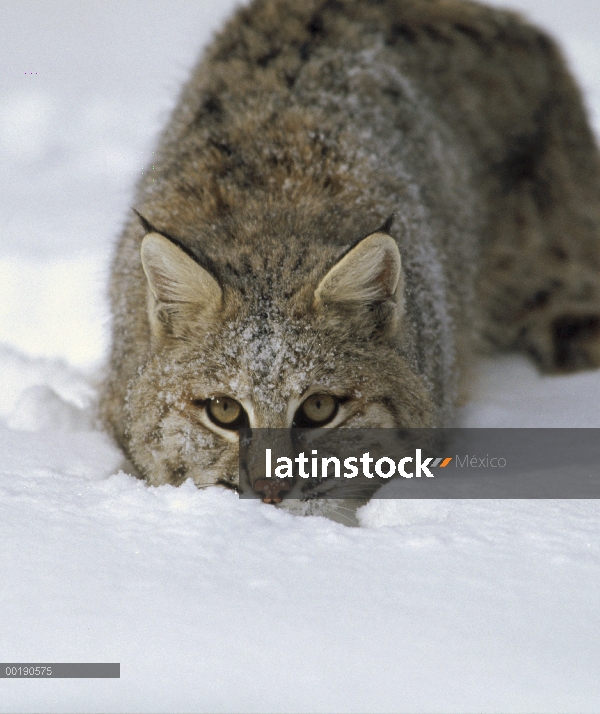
209 602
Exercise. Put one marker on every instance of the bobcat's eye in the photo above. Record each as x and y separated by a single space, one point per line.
317 410
226 412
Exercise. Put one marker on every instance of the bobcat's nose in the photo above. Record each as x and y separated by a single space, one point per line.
271 488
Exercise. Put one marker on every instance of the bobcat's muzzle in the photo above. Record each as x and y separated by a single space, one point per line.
271 489
253 471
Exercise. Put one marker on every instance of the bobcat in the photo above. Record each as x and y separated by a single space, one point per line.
350 199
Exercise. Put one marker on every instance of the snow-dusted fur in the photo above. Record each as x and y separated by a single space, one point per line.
306 125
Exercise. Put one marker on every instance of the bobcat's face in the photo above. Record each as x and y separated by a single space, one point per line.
223 362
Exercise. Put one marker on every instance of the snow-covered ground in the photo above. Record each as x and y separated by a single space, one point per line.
211 603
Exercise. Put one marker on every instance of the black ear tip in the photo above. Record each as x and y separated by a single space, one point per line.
146 225
385 228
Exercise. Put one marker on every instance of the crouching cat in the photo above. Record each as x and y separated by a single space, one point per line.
350 198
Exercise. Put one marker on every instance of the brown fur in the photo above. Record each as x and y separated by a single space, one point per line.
302 129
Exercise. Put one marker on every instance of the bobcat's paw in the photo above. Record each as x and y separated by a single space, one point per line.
576 340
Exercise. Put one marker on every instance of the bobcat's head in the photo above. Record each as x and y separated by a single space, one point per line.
267 347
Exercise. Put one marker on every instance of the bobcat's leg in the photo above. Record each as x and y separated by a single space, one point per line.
544 299
562 327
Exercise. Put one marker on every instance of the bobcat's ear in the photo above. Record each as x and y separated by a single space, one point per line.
175 277
369 274
176 281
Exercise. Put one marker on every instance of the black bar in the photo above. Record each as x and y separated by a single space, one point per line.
464 463
56 670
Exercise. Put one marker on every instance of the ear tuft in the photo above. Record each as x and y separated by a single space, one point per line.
367 274
174 277
146 225
389 222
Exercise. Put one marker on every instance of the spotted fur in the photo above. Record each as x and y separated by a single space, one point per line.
302 129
